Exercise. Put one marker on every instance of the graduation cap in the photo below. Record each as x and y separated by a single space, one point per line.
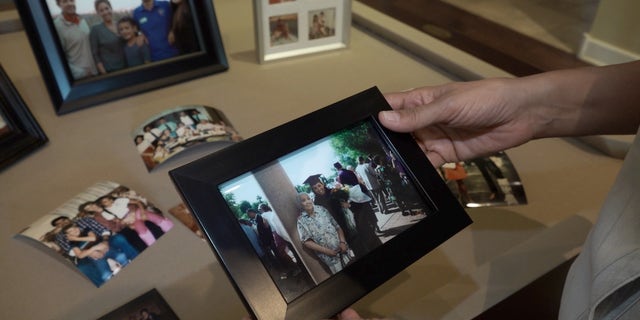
337 165
313 179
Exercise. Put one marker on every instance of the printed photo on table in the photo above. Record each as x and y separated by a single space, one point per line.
101 230
486 181
176 130
184 215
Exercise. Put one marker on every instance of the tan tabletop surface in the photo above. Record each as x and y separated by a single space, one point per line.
564 181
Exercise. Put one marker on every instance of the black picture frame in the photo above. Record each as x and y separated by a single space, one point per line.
200 181
21 133
151 302
68 94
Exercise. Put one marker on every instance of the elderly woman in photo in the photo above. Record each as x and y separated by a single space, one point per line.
321 233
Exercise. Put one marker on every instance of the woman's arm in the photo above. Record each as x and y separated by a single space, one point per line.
464 120
318 248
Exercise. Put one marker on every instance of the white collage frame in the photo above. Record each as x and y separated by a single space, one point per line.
302 45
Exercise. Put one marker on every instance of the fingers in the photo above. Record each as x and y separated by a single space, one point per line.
412 109
405 120
349 314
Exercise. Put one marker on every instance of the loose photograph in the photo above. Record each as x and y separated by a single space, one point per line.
101 230
184 215
175 130
351 196
487 181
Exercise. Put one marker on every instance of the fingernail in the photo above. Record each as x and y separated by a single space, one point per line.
390 116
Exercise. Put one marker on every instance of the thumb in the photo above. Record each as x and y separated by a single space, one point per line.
349 314
409 119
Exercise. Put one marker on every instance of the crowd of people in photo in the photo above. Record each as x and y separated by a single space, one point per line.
174 132
338 223
153 31
107 233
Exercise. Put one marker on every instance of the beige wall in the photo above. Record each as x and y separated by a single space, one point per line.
614 33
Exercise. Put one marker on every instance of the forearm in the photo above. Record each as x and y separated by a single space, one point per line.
318 248
585 101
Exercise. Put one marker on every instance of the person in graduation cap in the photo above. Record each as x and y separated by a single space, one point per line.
322 197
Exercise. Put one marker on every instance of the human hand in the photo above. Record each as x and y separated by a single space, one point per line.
461 121
350 314
347 314
141 39
343 247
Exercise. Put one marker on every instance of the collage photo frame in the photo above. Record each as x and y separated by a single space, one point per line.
288 28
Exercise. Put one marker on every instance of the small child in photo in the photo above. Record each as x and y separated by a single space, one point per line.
136 49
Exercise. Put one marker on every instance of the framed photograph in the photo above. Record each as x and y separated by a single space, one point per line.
19 131
148 306
91 52
287 28
310 216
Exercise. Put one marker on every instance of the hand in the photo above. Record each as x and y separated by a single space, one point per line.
350 314
141 40
343 247
461 121
99 251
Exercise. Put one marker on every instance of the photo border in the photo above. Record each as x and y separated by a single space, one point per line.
263 10
69 95
198 184
25 134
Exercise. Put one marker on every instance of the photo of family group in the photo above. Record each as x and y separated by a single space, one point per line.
486 181
149 306
176 130
104 36
101 230
316 210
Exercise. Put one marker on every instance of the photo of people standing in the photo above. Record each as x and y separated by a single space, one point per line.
333 202
103 36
